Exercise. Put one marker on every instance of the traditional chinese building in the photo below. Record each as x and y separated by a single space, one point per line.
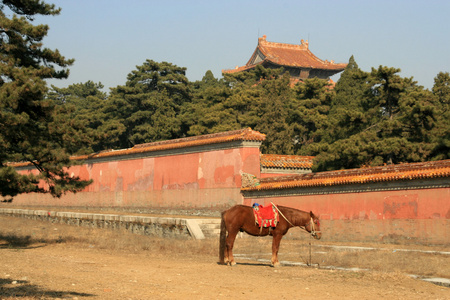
298 60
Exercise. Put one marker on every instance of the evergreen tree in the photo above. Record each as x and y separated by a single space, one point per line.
86 102
441 89
32 128
206 112
441 134
228 104
398 117
274 111
147 107
309 117
259 99
243 104
348 113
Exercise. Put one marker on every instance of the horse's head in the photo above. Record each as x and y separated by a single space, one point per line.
313 226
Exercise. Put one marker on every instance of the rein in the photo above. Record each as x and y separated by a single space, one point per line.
313 227
282 215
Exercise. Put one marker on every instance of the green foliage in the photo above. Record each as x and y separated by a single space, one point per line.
348 111
84 103
147 107
274 109
393 121
310 121
207 112
32 128
441 133
367 119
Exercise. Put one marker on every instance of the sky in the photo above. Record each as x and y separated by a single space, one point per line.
109 38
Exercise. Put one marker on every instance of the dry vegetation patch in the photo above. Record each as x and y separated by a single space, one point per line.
62 261
17 233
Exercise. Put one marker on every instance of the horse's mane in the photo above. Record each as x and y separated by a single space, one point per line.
291 209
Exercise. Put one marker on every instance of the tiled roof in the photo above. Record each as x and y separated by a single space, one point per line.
287 55
246 134
403 172
286 161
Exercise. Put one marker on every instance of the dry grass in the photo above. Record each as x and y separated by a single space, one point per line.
425 264
383 258
22 233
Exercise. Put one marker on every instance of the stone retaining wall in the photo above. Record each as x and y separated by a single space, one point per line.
153 226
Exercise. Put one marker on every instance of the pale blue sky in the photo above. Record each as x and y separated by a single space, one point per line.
109 38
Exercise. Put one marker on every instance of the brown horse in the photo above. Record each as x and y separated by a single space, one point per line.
241 218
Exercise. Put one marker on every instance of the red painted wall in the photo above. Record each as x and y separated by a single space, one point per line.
212 180
209 179
413 216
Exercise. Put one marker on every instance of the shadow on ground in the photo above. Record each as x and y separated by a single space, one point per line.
21 288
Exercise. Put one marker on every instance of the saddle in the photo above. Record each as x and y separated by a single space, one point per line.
265 216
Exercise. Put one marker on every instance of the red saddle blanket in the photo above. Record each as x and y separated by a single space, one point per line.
266 216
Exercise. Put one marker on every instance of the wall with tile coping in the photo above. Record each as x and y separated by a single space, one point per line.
209 178
399 215
186 178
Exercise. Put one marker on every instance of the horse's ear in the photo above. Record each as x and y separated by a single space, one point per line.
311 214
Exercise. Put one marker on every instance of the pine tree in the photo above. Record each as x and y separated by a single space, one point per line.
85 101
206 113
274 110
31 127
397 125
147 107
309 117
347 112
441 134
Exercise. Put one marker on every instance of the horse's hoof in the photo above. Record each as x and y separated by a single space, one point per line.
276 265
231 263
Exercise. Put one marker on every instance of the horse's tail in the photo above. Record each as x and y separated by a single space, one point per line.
223 237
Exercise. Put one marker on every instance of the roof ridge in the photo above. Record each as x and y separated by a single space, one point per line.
286 155
304 45
245 133
406 171
286 161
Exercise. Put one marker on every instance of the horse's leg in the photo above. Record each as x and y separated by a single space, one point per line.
229 259
275 247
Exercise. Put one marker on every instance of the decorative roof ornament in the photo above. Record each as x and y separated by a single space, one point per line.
298 60
249 180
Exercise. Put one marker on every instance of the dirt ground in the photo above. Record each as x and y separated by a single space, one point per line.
67 270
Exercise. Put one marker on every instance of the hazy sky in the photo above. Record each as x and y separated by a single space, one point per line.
109 38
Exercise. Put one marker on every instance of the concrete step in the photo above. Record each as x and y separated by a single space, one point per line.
210 227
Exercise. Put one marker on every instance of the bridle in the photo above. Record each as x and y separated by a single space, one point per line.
313 228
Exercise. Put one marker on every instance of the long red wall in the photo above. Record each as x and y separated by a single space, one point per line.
210 179
412 216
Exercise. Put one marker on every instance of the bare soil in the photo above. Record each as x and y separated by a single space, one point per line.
39 260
